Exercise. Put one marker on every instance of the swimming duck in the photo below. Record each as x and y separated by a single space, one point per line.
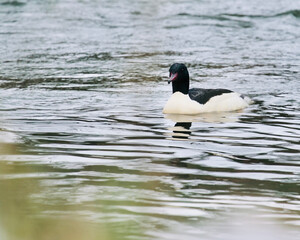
198 100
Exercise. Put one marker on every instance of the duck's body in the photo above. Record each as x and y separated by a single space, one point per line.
198 100
180 103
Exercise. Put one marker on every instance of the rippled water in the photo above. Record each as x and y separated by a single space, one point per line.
86 150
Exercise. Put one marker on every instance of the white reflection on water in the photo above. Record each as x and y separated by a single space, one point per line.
242 225
218 117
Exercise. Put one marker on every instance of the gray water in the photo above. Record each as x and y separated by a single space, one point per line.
86 150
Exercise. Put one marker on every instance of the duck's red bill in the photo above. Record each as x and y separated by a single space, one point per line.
173 76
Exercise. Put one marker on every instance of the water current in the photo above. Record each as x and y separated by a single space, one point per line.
86 152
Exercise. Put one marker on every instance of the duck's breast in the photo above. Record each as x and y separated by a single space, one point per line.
180 103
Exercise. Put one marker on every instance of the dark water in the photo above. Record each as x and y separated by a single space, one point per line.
86 150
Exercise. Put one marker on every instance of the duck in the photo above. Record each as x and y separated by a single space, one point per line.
199 100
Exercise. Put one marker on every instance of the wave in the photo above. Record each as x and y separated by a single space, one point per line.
295 13
13 3
224 16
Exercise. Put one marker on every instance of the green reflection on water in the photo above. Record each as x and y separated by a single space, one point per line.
21 217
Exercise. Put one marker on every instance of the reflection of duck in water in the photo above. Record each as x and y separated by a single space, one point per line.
185 125
198 100
181 130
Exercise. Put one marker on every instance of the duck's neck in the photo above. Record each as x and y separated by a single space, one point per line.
181 86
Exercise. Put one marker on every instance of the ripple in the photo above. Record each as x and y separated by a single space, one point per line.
13 3
83 140
294 12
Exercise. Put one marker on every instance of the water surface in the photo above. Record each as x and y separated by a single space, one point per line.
86 150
